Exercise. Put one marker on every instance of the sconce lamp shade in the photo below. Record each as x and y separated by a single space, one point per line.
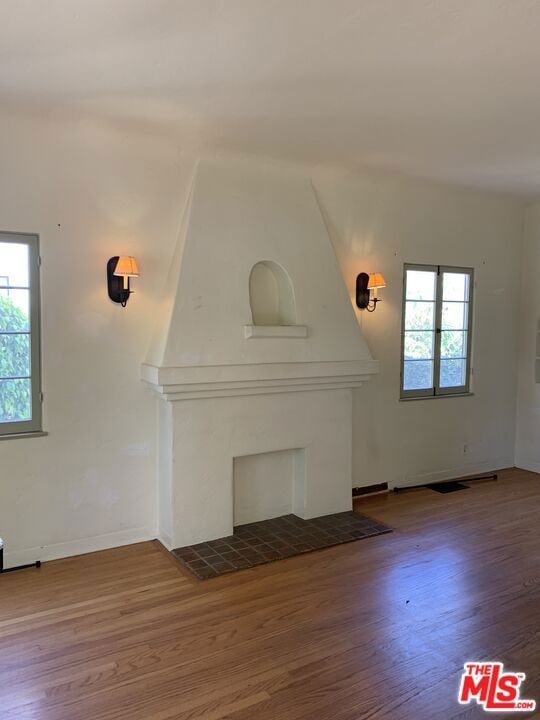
126 267
376 280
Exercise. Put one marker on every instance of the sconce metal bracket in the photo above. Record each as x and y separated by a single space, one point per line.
362 292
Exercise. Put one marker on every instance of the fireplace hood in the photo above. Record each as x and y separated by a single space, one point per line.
255 300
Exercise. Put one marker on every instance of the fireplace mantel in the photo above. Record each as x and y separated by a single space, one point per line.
187 383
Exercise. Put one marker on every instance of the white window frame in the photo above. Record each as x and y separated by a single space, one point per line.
34 425
437 390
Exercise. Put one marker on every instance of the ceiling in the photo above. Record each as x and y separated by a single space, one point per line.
445 89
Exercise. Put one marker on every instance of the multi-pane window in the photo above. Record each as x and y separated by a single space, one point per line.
20 366
436 342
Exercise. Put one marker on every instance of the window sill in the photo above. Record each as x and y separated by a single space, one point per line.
20 436
436 397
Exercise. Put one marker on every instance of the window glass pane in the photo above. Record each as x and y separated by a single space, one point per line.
455 316
15 400
14 264
455 286
14 310
452 373
418 345
421 284
453 344
417 375
419 315
14 356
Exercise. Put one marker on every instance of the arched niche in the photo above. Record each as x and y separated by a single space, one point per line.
271 295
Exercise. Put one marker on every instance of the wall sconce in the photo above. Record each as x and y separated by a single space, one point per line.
119 270
364 285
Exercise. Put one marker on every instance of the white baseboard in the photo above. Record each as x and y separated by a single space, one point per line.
165 540
76 547
456 472
528 464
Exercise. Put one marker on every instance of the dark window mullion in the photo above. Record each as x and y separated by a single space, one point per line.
417 300
438 333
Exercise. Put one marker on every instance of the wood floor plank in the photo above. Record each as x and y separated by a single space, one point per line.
374 630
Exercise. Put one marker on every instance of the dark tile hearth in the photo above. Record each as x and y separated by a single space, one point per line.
269 540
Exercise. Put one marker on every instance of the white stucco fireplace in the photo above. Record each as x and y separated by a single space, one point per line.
254 359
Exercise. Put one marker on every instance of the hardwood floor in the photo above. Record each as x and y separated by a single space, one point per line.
375 629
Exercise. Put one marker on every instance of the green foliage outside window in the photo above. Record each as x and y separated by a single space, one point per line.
15 395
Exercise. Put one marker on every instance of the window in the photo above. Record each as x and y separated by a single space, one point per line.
436 342
20 364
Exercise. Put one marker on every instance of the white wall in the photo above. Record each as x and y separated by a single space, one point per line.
528 401
92 192
377 223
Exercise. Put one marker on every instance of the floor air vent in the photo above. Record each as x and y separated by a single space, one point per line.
447 487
